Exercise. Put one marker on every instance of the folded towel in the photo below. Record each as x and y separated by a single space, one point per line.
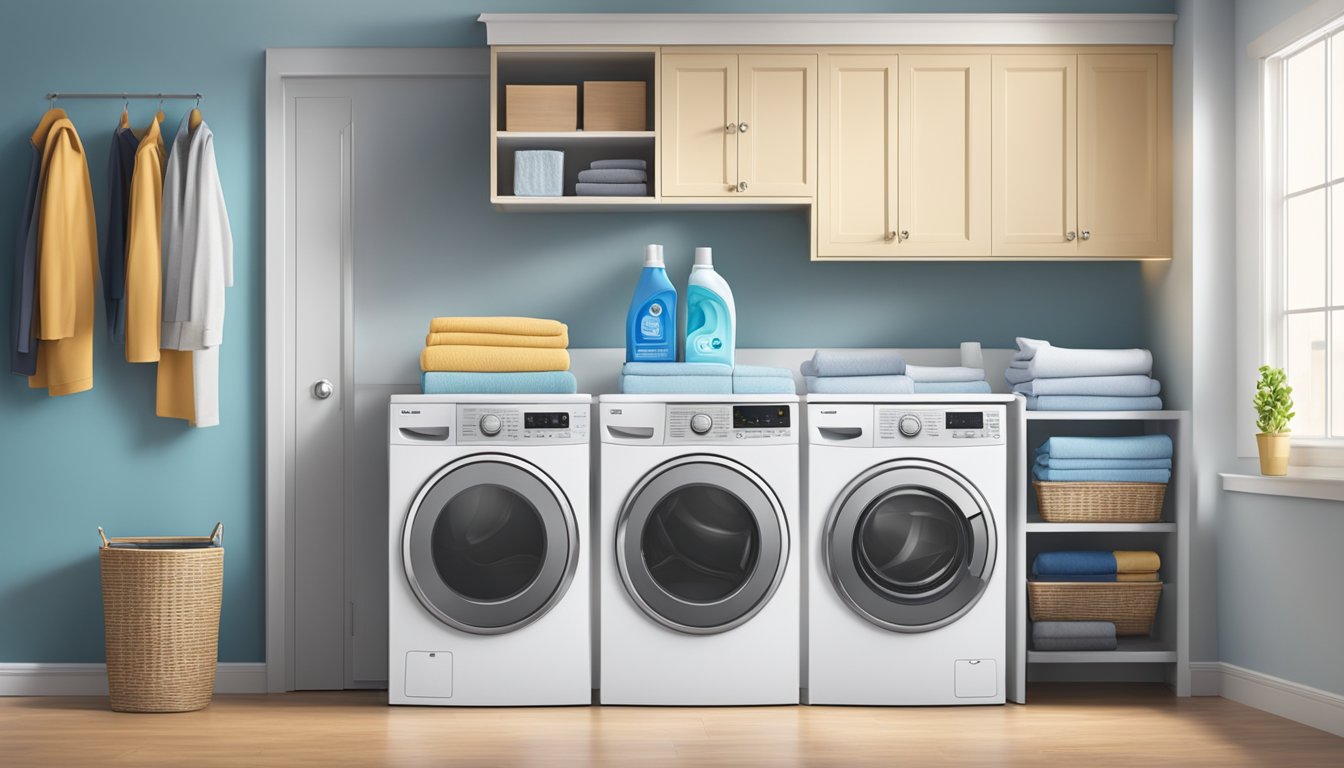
1045 360
538 173
493 359
952 388
521 326
1142 561
1099 577
613 176
583 189
941 373
1046 460
1076 644
1093 403
971 355
1096 562
1111 386
530 383
496 340
629 163
677 385
676 369
1127 447
1060 630
1017 375
854 362
763 371
1052 475
860 385
762 385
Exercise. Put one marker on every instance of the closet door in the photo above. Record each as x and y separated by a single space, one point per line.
699 125
1124 156
1035 193
777 125
856 202
943 155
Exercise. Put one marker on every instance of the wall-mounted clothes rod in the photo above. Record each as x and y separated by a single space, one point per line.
124 96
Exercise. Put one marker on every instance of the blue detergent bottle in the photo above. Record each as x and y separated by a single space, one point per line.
711 317
651 324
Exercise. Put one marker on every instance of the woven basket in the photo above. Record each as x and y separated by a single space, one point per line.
161 619
1131 606
1100 502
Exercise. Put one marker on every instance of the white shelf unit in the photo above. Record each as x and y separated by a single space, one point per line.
1165 653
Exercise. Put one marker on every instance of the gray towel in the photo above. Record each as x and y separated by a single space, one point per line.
1072 630
613 176
1074 644
630 164
611 190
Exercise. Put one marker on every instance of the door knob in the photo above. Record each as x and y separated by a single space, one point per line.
741 186
741 127
730 128
322 389
1070 236
1087 235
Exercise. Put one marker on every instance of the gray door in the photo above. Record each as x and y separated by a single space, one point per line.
701 544
490 544
910 545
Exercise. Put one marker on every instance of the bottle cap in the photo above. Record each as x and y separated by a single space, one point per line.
704 257
653 255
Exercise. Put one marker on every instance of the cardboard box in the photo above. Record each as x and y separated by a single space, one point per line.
541 107
610 105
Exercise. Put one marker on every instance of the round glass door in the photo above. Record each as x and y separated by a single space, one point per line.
701 544
490 544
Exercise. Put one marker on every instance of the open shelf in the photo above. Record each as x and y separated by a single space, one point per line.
1129 650
618 204
1036 525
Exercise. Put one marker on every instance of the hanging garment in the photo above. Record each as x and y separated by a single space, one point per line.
23 336
144 273
120 165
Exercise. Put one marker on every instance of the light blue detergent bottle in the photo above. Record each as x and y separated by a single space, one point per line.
711 317
651 324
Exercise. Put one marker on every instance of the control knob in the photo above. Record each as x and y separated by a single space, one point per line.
490 425
909 425
701 423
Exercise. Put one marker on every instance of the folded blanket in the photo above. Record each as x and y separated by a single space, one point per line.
1126 447
1099 562
1045 460
1110 386
1045 360
1059 630
583 189
860 385
952 387
677 385
1093 403
763 371
1099 577
613 176
762 385
1130 561
944 373
854 362
632 164
529 383
676 369
493 359
1052 475
560 341
522 326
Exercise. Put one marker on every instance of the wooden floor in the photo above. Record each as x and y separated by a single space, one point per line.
1127 726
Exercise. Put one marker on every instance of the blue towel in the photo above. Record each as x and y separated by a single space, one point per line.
676 369
763 371
528 383
1093 403
762 385
1129 447
538 173
1109 386
860 385
952 387
929 373
1102 577
677 385
1051 475
613 176
854 362
631 164
1074 563
583 189
1046 460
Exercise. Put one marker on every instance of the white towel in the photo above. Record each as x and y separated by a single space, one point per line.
1112 386
943 373
1016 375
1047 361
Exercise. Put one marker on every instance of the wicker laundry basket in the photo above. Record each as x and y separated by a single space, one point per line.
161 601
1077 502
1131 606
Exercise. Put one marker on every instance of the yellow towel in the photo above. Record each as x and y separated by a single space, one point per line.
1137 562
521 326
493 359
1136 576
496 340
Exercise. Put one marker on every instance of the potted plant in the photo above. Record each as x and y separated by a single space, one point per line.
1274 409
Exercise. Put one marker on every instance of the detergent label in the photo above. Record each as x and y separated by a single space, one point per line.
651 323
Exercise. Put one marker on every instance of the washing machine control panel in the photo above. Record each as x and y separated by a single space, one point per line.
732 424
954 426
544 424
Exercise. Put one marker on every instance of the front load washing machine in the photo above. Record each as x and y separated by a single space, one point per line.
907 498
699 595
488 507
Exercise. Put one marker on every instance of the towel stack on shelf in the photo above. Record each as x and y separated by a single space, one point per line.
496 355
1129 459
704 379
1096 566
885 372
947 379
614 178
1073 636
1061 379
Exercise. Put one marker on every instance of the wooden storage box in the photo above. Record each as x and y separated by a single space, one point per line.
614 105
541 107
1074 502
1131 606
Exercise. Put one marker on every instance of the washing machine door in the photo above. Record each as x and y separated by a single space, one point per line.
910 545
490 544
701 544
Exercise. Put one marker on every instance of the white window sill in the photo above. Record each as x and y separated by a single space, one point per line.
1301 482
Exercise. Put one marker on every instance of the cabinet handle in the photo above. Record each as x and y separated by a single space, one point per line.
741 127
1087 235
889 236
730 128
905 234
741 186
1069 236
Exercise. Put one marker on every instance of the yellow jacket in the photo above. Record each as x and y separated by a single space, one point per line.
144 259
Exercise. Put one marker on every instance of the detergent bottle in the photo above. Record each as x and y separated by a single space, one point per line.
711 317
651 324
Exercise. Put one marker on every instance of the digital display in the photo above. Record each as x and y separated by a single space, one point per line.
546 420
965 420
760 416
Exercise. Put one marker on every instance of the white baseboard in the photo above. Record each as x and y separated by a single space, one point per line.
1295 701
91 679
1206 678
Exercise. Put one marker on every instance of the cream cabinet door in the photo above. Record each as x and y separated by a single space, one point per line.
777 125
1124 163
699 125
856 199
943 155
1035 193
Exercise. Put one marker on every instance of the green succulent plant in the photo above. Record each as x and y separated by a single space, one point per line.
1273 400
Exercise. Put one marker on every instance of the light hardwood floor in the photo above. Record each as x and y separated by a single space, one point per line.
1064 725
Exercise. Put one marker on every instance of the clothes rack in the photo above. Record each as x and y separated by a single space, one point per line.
55 96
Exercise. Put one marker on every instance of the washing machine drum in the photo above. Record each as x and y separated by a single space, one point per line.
910 545
490 544
701 544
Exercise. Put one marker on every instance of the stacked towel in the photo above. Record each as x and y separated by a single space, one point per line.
1061 379
948 379
677 379
857 372
1134 459
496 355
1119 565
762 380
1073 636
614 178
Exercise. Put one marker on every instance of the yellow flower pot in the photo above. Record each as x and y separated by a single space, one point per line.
1273 452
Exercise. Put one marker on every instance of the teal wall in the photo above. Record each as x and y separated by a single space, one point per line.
68 465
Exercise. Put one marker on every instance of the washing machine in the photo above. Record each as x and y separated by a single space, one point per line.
906 546
700 582
488 507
